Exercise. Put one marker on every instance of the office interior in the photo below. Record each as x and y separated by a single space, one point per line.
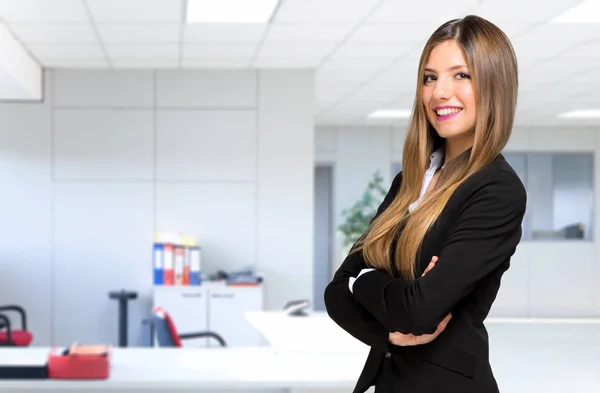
253 134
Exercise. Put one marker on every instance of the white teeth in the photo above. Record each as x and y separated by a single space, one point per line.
447 111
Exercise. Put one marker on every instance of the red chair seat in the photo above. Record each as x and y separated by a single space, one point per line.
20 338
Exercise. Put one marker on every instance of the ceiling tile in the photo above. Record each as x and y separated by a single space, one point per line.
283 62
243 33
309 32
528 11
136 11
139 33
157 63
215 63
375 50
348 77
589 51
295 50
31 33
319 11
539 50
55 11
143 51
219 51
365 65
67 51
431 11
561 33
392 33
75 63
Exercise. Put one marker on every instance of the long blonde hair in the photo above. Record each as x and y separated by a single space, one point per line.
493 64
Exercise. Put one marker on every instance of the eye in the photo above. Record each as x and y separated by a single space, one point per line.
428 78
462 75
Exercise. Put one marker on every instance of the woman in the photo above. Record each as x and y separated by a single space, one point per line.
419 283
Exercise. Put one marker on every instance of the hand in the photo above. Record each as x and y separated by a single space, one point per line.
434 259
406 340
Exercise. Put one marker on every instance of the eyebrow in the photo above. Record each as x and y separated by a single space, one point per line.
456 67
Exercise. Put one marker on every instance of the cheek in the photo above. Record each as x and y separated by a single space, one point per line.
467 96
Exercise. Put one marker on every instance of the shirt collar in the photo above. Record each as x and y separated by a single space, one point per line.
436 158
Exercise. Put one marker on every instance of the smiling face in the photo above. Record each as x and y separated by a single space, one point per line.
448 93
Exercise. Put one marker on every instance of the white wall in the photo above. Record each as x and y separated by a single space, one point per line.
546 279
110 158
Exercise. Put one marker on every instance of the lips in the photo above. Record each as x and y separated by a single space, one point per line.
445 112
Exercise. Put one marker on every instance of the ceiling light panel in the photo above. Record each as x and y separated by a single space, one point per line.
581 114
583 12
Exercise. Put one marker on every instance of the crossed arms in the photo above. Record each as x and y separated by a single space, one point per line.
484 236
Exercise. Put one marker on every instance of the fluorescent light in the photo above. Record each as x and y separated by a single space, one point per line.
586 12
581 114
230 11
390 113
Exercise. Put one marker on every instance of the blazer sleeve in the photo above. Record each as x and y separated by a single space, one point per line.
484 237
343 307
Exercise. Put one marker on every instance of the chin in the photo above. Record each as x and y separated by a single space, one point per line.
446 134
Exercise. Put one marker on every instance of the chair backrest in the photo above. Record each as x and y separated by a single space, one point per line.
164 327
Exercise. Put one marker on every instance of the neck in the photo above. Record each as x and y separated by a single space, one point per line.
456 146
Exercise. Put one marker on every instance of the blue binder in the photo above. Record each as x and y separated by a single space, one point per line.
159 264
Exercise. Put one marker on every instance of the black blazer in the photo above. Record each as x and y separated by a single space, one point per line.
474 238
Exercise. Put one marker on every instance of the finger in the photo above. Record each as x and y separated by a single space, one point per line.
434 259
442 325
428 268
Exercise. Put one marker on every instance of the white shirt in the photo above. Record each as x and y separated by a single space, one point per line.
435 162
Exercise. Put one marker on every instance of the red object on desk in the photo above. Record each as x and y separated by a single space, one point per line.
81 362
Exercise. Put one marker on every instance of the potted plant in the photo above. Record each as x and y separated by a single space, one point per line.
358 216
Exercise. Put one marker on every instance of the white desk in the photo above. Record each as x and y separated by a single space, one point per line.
202 370
313 333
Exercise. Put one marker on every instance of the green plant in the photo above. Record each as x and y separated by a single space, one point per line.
358 216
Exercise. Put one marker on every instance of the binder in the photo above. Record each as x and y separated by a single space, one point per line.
158 264
195 265
186 266
168 273
179 254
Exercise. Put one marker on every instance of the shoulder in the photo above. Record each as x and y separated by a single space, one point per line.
496 182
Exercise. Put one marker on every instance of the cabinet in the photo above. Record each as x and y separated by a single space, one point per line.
212 306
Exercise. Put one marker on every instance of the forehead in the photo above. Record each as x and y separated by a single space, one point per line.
445 55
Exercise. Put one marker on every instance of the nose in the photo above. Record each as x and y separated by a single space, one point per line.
443 89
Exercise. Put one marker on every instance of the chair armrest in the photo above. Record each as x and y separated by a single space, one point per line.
5 323
214 335
19 310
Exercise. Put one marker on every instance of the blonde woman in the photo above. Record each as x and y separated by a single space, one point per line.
420 282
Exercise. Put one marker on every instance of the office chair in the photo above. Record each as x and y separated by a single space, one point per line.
167 335
10 336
